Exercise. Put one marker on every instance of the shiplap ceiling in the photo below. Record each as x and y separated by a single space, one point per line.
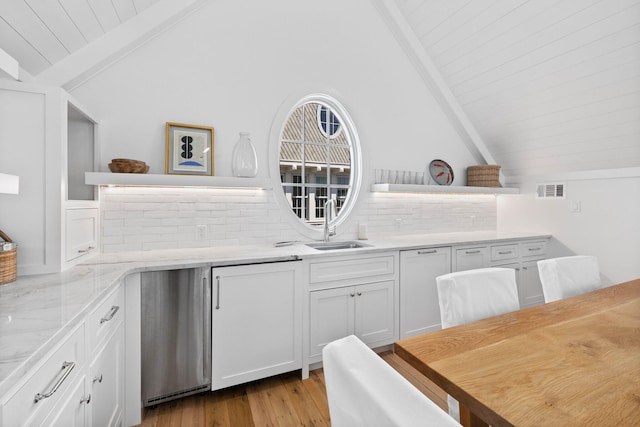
551 86
40 33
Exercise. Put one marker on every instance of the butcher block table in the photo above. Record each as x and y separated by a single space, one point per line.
573 362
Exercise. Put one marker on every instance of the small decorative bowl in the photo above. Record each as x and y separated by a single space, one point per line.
128 166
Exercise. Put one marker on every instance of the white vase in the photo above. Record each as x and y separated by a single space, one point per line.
244 162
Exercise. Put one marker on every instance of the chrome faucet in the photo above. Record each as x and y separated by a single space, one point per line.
329 214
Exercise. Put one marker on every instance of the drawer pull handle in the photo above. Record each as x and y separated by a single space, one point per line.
110 314
86 399
89 249
535 249
97 378
505 253
217 292
67 367
433 251
472 252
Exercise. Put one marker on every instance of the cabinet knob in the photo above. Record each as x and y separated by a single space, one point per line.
86 400
97 378
359 294
352 295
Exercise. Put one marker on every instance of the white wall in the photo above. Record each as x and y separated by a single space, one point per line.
233 63
607 225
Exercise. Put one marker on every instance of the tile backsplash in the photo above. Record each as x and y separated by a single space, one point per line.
141 218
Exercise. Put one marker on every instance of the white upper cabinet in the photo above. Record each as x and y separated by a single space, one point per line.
49 141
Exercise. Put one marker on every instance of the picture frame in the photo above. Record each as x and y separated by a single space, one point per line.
189 150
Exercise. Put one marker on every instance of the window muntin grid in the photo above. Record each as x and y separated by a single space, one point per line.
322 160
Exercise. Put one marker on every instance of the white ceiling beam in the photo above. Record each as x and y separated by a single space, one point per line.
8 65
78 67
426 68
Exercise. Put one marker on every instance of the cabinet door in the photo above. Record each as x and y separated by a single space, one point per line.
375 313
106 375
257 322
332 316
419 307
529 285
73 410
472 258
81 232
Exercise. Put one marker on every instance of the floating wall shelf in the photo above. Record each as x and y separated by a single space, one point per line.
157 180
440 189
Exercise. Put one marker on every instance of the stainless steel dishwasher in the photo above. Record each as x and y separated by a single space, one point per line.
176 334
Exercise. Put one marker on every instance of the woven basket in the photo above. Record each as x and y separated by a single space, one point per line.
8 271
483 176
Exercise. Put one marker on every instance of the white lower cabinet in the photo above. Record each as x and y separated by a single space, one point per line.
256 322
80 382
72 412
352 296
365 310
419 307
529 285
472 257
106 377
520 255
47 386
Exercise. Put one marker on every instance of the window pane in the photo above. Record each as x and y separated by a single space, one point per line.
313 143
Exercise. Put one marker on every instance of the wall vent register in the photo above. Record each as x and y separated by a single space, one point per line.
551 191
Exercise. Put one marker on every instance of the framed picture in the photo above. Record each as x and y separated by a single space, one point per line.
189 150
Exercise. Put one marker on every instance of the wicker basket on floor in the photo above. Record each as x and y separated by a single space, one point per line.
8 257
483 176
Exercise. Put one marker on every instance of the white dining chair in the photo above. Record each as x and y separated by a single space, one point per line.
365 391
568 276
467 296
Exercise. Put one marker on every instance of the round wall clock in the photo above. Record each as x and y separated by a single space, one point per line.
441 172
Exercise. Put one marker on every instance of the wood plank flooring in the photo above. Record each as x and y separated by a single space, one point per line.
283 400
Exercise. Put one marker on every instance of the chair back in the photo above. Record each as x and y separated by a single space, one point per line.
568 276
467 296
364 390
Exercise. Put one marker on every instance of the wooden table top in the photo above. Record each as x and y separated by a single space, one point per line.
570 362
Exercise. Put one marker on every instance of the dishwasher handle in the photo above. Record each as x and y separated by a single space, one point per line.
207 325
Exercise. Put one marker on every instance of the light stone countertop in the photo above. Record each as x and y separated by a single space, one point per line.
37 311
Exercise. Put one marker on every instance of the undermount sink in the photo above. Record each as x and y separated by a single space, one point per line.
330 246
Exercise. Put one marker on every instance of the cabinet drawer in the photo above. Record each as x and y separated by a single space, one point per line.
81 232
533 248
106 318
59 369
499 253
330 271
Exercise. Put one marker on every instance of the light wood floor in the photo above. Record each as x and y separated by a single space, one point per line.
283 400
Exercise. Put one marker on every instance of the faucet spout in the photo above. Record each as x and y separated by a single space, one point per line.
329 215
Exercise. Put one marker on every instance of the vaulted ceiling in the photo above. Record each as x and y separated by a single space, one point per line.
40 33
550 86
